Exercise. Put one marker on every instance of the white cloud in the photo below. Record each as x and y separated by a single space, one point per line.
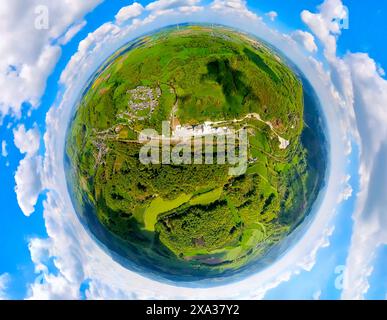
190 9
238 7
92 43
381 71
53 287
4 151
4 282
363 95
347 191
28 183
129 12
370 219
272 15
317 295
306 39
28 54
326 26
27 141
326 23
27 176
72 32
231 4
170 4
49 285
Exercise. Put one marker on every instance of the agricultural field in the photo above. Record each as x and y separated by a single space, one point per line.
194 216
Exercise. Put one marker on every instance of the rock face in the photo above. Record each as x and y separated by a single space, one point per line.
185 91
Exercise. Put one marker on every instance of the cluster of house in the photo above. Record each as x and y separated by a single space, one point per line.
142 98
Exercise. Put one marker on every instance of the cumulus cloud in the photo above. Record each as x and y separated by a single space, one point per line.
306 39
4 151
190 9
4 282
347 191
370 219
363 94
92 43
326 24
170 4
238 7
48 285
28 183
272 15
72 32
27 176
27 141
129 12
28 53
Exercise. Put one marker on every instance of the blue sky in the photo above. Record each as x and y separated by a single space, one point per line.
366 33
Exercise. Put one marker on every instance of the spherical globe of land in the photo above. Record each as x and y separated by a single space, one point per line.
190 207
